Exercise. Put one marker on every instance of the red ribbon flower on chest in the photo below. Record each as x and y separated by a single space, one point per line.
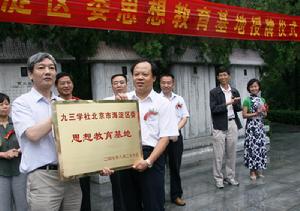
150 113
178 106
8 134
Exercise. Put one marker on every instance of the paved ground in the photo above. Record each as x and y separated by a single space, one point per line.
278 191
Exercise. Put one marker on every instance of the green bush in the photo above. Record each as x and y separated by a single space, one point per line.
284 116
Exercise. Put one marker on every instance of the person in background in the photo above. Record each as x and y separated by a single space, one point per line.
12 182
119 86
255 151
225 102
175 147
32 118
143 185
64 85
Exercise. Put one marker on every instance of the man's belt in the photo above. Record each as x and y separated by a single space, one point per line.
48 167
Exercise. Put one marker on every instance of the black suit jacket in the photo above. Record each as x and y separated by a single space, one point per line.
218 108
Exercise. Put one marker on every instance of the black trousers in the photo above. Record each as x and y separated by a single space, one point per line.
174 152
144 191
116 192
85 189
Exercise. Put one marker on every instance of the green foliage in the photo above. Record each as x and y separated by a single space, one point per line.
149 49
284 116
10 30
79 43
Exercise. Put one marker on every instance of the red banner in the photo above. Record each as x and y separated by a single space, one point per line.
181 17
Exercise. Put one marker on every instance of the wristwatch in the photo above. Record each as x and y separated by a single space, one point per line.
149 163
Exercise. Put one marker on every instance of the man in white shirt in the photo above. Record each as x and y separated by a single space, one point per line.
175 147
32 114
64 85
143 185
225 102
119 86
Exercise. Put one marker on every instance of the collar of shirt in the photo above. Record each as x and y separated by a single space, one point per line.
132 95
173 96
226 90
37 96
75 98
10 120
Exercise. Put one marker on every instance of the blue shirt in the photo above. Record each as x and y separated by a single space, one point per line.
28 110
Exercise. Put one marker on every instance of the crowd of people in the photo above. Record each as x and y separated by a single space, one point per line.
29 178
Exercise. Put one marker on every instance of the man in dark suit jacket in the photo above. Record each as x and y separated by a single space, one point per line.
225 102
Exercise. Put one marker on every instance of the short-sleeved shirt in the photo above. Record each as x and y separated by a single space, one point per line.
179 105
9 167
28 110
156 117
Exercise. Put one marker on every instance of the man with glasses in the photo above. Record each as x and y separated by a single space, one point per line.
32 118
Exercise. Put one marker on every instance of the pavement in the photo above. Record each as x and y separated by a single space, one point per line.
278 191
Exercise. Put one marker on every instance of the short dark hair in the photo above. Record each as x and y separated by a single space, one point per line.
62 74
116 75
38 57
167 75
4 97
252 81
223 69
154 68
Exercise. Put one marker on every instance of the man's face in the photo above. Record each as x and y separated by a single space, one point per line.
65 86
166 84
223 78
143 78
119 85
43 74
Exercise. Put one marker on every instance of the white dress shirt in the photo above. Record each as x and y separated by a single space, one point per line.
228 97
113 97
110 98
179 105
28 110
156 118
